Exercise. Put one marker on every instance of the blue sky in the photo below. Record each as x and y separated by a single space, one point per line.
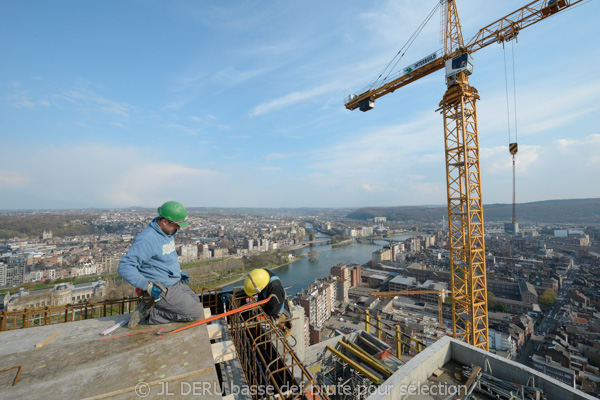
240 103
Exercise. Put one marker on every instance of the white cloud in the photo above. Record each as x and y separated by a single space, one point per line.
13 179
232 76
383 148
89 98
371 188
183 128
499 160
591 140
80 176
560 169
290 99
278 156
21 100
150 182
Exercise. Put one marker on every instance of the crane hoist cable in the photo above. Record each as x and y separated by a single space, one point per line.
378 81
512 146
512 46
507 94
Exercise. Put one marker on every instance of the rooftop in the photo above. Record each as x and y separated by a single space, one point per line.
81 364
443 369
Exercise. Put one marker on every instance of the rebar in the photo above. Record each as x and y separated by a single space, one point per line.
271 367
19 368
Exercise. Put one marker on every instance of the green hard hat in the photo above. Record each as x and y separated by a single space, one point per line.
174 212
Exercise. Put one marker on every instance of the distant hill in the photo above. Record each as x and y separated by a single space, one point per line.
584 211
303 211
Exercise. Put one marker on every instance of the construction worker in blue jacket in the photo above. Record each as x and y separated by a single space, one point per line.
263 283
151 266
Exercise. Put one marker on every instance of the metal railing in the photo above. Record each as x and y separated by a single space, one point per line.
28 318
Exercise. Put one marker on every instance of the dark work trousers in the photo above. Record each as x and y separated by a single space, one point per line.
178 304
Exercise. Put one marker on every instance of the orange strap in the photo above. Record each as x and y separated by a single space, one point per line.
225 314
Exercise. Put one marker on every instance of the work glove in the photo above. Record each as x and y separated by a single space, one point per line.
185 278
154 291
226 298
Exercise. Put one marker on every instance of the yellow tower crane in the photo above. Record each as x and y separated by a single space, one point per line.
458 106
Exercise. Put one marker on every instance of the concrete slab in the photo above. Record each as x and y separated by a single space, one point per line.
79 363
415 379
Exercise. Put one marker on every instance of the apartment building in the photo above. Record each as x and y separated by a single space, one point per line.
12 274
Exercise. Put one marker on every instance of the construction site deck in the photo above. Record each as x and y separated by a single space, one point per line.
245 356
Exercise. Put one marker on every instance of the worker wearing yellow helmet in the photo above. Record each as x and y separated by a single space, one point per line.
262 283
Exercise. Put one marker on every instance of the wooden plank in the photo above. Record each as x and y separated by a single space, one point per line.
437 373
45 342
223 351
463 390
214 331
207 313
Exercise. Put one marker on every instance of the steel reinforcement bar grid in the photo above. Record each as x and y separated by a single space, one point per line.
272 369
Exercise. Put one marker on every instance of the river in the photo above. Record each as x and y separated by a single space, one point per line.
303 272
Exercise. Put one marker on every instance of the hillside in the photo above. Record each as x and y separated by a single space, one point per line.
33 225
581 211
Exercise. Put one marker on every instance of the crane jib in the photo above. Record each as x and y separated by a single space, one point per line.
423 67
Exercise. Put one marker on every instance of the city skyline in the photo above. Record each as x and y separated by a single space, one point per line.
241 105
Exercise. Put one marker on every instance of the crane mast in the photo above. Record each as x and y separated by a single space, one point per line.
463 172
463 179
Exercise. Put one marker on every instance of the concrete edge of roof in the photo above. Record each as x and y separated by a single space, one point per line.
421 367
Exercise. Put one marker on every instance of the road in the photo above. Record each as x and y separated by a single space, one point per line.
550 318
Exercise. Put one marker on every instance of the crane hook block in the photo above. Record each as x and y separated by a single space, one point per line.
513 148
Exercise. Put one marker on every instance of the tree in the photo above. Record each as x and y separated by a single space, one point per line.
500 307
492 302
548 298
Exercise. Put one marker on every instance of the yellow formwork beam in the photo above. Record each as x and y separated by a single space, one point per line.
366 358
374 378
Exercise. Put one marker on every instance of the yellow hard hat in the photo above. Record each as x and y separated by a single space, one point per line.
256 281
